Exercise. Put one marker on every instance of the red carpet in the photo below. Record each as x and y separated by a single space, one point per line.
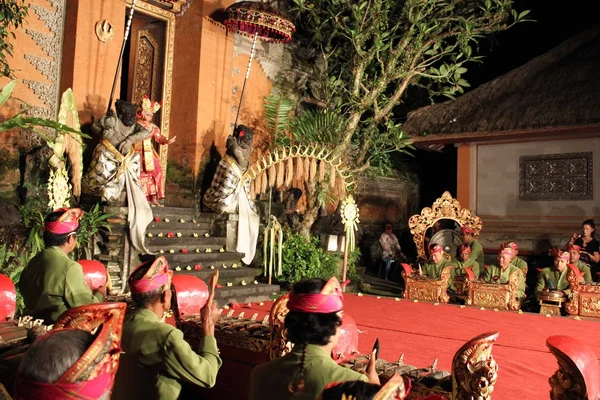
424 332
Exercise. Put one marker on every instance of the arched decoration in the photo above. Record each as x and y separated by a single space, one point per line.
284 166
446 207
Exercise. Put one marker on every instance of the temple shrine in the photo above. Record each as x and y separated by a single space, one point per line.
213 200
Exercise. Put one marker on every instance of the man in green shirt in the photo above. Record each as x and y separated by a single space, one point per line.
439 261
555 278
574 252
157 359
313 325
466 262
502 273
517 261
468 236
51 283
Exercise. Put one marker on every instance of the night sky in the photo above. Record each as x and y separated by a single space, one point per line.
556 21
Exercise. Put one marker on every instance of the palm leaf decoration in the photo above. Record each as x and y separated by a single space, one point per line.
277 114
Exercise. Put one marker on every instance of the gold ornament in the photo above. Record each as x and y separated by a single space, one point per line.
349 214
105 31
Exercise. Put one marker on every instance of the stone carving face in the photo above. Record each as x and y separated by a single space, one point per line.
126 112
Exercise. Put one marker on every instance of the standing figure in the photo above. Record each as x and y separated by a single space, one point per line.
151 173
390 247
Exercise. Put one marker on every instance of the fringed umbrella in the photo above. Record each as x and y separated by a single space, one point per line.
257 20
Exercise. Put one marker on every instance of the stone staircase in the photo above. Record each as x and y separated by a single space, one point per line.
193 250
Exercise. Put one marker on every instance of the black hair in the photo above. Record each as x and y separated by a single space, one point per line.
126 111
388 224
243 134
590 222
309 328
51 356
53 239
143 300
359 390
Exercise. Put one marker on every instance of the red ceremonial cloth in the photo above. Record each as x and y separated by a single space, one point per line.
424 332
87 390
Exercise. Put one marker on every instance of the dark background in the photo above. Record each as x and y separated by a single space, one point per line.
556 21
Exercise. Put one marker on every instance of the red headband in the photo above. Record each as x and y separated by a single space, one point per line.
436 248
92 389
329 300
158 275
563 255
67 223
467 229
573 247
512 245
509 251
465 249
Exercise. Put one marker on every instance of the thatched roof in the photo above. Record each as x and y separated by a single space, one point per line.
558 91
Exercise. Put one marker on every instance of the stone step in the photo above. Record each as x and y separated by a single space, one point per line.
233 275
188 242
215 258
200 227
182 212
245 294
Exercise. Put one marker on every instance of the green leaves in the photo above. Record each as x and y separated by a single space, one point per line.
12 15
277 113
7 91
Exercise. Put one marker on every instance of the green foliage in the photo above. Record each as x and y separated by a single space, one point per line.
277 114
304 259
365 54
91 223
33 213
31 123
12 15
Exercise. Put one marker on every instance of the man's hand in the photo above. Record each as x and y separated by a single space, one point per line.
371 371
209 315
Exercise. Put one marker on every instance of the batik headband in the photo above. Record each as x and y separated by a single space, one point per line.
436 248
90 377
68 222
573 247
509 251
158 275
563 255
329 300
467 229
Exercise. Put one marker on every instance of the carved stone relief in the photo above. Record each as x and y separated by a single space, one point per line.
567 176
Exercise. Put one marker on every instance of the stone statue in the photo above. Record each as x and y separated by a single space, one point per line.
221 197
118 135
229 191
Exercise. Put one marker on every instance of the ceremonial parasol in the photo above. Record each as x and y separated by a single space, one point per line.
257 20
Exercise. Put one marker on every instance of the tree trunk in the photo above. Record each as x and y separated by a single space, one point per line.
312 209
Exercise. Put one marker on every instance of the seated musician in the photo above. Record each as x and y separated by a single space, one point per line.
313 326
157 359
51 283
575 253
468 236
439 260
67 364
555 278
465 262
517 261
502 273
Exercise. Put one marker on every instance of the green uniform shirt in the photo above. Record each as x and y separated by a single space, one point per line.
434 271
461 266
585 271
52 283
503 277
476 252
551 275
519 263
270 380
157 359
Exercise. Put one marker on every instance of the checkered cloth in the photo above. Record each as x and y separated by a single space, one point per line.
222 196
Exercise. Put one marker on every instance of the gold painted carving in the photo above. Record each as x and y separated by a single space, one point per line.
585 298
474 370
494 295
445 207
428 289
105 31
568 382
145 81
279 343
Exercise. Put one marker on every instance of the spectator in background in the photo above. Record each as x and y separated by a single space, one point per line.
391 251
590 248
